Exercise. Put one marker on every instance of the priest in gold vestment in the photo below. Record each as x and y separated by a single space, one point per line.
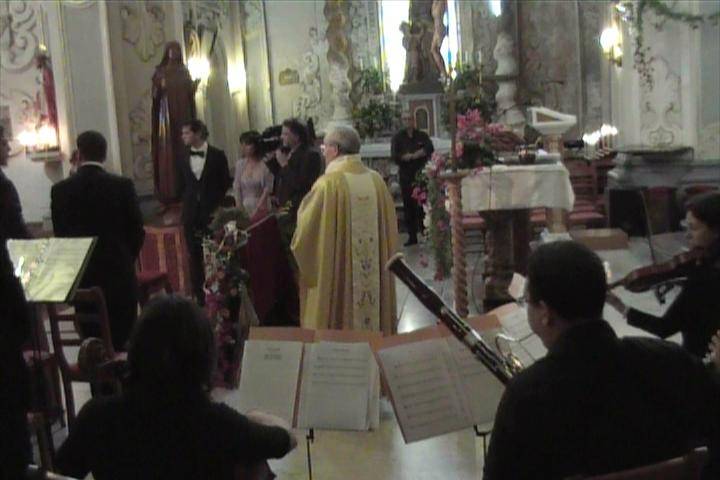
346 232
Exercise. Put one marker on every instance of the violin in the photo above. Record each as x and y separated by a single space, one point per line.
645 278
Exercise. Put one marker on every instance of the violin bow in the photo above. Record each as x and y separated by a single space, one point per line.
659 292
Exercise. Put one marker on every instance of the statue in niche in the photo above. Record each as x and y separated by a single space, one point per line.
439 7
173 94
45 103
412 42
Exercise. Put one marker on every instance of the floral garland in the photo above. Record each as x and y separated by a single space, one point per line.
641 55
477 144
430 192
225 291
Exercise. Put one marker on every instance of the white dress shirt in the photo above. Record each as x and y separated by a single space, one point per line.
197 163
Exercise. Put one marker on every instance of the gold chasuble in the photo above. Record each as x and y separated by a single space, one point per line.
346 231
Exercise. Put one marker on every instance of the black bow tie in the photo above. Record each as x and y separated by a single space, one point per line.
198 153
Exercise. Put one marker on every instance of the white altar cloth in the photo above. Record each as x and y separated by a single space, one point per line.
505 187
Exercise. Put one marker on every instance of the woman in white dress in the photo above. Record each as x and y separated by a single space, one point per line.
253 182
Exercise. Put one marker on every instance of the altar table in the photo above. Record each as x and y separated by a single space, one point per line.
504 195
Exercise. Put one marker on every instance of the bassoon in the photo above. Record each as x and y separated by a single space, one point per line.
503 367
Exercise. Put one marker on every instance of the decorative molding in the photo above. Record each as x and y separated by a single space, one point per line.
661 107
140 128
143 28
20 27
709 142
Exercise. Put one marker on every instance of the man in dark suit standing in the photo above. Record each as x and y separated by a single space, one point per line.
296 166
96 203
410 149
15 449
205 179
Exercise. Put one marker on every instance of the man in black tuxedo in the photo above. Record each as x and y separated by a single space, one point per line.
204 179
96 203
12 224
296 166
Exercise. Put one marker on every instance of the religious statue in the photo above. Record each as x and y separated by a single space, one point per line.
412 42
439 7
173 93
45 103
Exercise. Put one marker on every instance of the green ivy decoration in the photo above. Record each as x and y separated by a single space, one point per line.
371 81
635 15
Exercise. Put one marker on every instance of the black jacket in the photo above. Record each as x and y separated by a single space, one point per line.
296 179
12 224
598 404
95 203
695 312
202 197
402 143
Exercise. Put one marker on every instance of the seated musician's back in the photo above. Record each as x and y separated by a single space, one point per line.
595 403
164 426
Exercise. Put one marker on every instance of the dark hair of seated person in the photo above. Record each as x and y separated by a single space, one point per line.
706 208
172 350
92 146
569 278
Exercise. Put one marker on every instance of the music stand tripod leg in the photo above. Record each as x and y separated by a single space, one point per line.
483 434
309 438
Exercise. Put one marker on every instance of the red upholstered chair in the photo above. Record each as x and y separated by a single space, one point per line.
64 330
688 467
151 276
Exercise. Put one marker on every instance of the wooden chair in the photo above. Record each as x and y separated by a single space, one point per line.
688 467
59 323
475 228
589 210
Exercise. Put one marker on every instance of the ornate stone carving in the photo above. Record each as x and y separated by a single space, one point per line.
661 107
20 27
140 137
142 27
338 57
308 102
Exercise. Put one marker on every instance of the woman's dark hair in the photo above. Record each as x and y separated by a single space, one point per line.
296 127
92 146
172 349
197 126
569 278
252 137
706 208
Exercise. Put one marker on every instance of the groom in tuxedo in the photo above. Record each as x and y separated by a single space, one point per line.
204 180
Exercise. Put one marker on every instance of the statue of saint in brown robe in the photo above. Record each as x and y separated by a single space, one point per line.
173 104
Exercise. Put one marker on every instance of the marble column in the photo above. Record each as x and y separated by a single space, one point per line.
338 57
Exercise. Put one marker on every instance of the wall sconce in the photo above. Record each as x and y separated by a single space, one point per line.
611 44
199 68
236 78
40 142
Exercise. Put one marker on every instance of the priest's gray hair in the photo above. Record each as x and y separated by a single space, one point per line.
345 138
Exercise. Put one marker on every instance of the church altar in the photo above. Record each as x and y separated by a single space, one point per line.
504 196
382 149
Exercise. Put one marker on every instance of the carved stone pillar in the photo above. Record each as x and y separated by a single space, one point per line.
338 57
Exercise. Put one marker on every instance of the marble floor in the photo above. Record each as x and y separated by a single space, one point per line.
382 454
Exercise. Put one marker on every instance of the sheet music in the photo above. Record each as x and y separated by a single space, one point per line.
50 267
482 390
516 324
517 286
534 346
428 400
269 377
335 388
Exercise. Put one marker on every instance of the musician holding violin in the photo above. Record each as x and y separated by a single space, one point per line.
696 311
